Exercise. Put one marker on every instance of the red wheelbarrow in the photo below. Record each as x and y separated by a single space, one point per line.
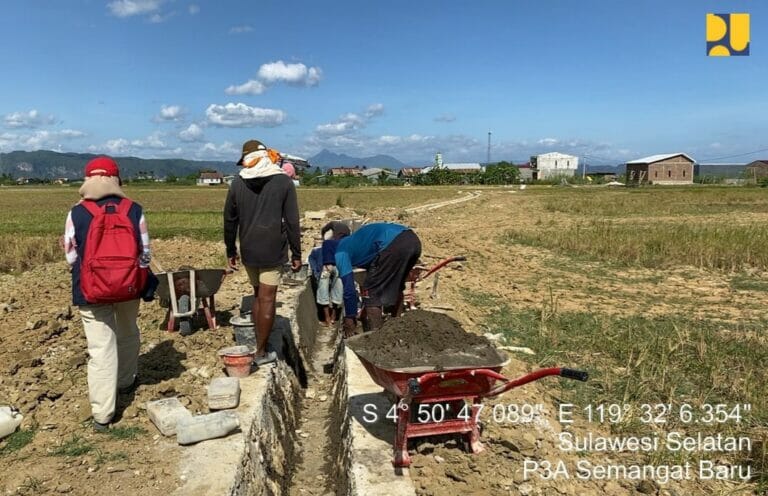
451 388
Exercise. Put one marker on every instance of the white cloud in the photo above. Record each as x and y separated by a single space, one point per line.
7 141
170 113
153 141
294 74
252 87
128 8
389 140
192 133
345 124
157 17
212 151
240 29
350 122
335 128
445 118
276 72
70 134
38 140
31 119
116 146
153 146
374 110
194 9
549 142
242 115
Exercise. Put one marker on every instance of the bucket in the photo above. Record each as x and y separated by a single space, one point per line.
237 360
10 418
244 331
292 278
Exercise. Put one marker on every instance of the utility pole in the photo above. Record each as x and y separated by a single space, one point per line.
488 158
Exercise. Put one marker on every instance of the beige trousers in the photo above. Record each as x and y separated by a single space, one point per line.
113 349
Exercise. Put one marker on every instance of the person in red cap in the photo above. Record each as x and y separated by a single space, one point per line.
111 329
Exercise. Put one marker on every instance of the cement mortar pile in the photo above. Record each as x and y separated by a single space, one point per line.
425 339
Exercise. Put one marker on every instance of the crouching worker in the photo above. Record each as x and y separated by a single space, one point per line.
329 286
388 252
106 243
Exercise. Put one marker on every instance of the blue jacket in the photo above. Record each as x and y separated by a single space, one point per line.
329 251
316 261
358 251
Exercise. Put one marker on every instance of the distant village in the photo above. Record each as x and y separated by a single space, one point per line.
553 167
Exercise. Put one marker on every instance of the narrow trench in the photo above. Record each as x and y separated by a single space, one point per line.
313 475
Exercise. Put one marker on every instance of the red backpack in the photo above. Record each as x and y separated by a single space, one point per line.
109 271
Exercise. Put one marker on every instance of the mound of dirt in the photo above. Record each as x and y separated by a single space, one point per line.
424 339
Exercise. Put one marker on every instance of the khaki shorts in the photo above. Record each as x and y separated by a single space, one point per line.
264 275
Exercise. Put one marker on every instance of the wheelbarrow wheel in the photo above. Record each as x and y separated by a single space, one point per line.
185 323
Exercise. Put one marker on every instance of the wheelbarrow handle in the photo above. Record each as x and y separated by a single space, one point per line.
577 375
535 376
442 264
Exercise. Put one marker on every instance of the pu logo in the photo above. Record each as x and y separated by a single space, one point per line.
727 34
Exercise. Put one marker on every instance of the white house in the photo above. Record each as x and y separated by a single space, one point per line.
553 164
210 178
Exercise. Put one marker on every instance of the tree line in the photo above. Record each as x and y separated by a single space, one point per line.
498 173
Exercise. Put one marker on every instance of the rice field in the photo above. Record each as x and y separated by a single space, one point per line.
33 217
710 227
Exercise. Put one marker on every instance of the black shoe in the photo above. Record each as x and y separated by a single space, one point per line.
130 388
99 427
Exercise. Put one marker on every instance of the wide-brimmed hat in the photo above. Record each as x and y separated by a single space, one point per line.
250 146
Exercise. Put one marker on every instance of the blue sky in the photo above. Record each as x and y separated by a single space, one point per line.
605 80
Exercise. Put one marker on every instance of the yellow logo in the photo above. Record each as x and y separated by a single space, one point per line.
727 34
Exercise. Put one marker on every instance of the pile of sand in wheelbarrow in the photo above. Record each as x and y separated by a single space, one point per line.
424 339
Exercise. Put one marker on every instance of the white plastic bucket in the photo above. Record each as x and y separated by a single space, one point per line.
10 418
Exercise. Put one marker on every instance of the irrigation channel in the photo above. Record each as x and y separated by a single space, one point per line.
315 469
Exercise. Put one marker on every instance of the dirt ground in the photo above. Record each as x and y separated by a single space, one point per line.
528 277
43 358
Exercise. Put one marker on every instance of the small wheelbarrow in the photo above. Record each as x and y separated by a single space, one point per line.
431 403
183 291
420 272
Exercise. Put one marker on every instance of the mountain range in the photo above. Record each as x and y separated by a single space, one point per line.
326 159
46 164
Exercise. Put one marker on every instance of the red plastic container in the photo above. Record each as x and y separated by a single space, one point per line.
237 360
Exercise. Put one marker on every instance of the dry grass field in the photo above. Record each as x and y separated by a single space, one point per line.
33 218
